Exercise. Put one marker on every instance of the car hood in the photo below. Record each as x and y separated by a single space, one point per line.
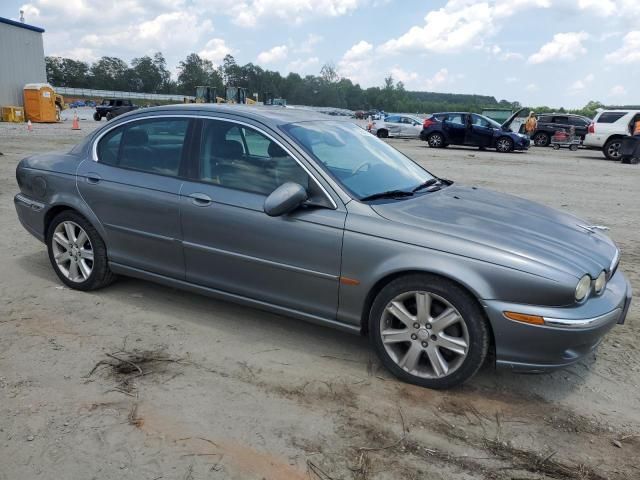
503 229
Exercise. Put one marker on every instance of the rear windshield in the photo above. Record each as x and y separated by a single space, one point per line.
610 117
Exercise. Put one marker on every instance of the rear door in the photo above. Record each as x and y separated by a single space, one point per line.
454 128
133 188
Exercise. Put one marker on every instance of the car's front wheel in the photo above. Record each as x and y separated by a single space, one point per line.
428 331
436 140
504 145
77 252
97 117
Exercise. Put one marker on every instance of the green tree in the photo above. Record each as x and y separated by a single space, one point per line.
194 71
110 73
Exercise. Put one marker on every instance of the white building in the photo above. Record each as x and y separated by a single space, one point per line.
21 60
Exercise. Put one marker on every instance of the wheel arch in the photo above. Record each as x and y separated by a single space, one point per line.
391 276
74 205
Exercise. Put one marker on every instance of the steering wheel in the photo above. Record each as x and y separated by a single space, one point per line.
360 167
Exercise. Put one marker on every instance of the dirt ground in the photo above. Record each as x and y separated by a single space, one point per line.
139 381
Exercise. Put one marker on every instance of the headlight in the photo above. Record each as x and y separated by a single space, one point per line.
600 282
582 290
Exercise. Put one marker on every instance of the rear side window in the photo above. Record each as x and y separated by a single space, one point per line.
152 146
610 117
455 118
579 121
561 120
544 119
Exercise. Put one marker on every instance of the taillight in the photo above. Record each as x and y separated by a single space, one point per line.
427 123
592 128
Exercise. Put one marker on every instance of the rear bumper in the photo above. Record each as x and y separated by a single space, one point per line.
593 141
31 215
569 333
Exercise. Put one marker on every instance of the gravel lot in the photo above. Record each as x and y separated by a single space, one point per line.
233 393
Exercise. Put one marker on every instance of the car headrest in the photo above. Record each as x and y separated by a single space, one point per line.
136 137
231 149
276 151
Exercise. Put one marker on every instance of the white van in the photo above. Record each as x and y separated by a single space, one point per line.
608 129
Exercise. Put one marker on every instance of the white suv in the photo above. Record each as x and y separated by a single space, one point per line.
608 129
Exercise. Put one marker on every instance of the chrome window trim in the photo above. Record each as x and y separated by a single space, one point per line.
94 147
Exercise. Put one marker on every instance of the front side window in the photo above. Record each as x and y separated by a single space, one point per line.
359 161
241 158
153 146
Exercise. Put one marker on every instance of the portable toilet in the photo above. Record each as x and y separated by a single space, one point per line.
40 103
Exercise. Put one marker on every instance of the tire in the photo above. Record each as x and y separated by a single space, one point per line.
407 351
97 117
541 139
109 116
92 268
382 133
556 146
573 148
611 149
436 140
504 145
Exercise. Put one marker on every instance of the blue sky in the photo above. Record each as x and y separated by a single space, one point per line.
551 52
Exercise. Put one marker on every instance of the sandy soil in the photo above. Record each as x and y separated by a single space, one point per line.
233 393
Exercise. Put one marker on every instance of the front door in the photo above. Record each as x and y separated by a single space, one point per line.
480 132
230 244
134 189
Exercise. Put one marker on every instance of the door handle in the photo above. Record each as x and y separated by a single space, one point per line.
200 199
93 178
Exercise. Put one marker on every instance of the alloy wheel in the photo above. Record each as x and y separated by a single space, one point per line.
613 150
541 140
72 251
424 334
504 145
435 140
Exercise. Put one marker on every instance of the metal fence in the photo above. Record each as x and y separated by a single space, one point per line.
90 92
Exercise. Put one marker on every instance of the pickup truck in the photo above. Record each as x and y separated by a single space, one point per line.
112 107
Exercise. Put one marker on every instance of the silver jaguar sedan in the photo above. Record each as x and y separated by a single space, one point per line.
317 219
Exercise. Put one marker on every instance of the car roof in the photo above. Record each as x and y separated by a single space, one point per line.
271 114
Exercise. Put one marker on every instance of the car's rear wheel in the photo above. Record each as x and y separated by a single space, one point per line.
504 145
428 331
109 116
541 139
436 140
382 133
611 149
77 252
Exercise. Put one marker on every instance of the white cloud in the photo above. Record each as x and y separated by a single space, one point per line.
512 56
215 50
276 54
617 91
601 7
581 84
303 65
404 76
356 62
630 50
249 13
308 45
564 46
441 77
532 87
459 24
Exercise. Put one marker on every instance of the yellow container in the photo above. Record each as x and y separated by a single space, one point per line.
40 103
13 114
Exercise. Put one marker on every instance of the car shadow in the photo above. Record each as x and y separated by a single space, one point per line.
286 333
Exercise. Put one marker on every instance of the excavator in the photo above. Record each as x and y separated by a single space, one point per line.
206 94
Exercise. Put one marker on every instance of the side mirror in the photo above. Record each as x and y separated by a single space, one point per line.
284 199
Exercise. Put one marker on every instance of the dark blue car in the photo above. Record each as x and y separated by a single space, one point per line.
471 129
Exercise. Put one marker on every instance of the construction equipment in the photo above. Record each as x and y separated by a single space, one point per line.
206 94
13 114
41 103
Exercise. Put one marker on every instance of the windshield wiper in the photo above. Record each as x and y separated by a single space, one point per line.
387 194
429 183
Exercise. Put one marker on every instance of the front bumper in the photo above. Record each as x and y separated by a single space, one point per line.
569 333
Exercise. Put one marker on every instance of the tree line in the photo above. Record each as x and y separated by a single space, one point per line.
149 74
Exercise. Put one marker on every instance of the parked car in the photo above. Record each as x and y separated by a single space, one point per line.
112 107
463 128
397 126
608 129
314 218
550 123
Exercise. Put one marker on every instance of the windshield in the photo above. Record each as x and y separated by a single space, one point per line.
491 122
363 164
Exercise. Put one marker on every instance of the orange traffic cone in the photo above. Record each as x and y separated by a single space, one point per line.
76 123
29 126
